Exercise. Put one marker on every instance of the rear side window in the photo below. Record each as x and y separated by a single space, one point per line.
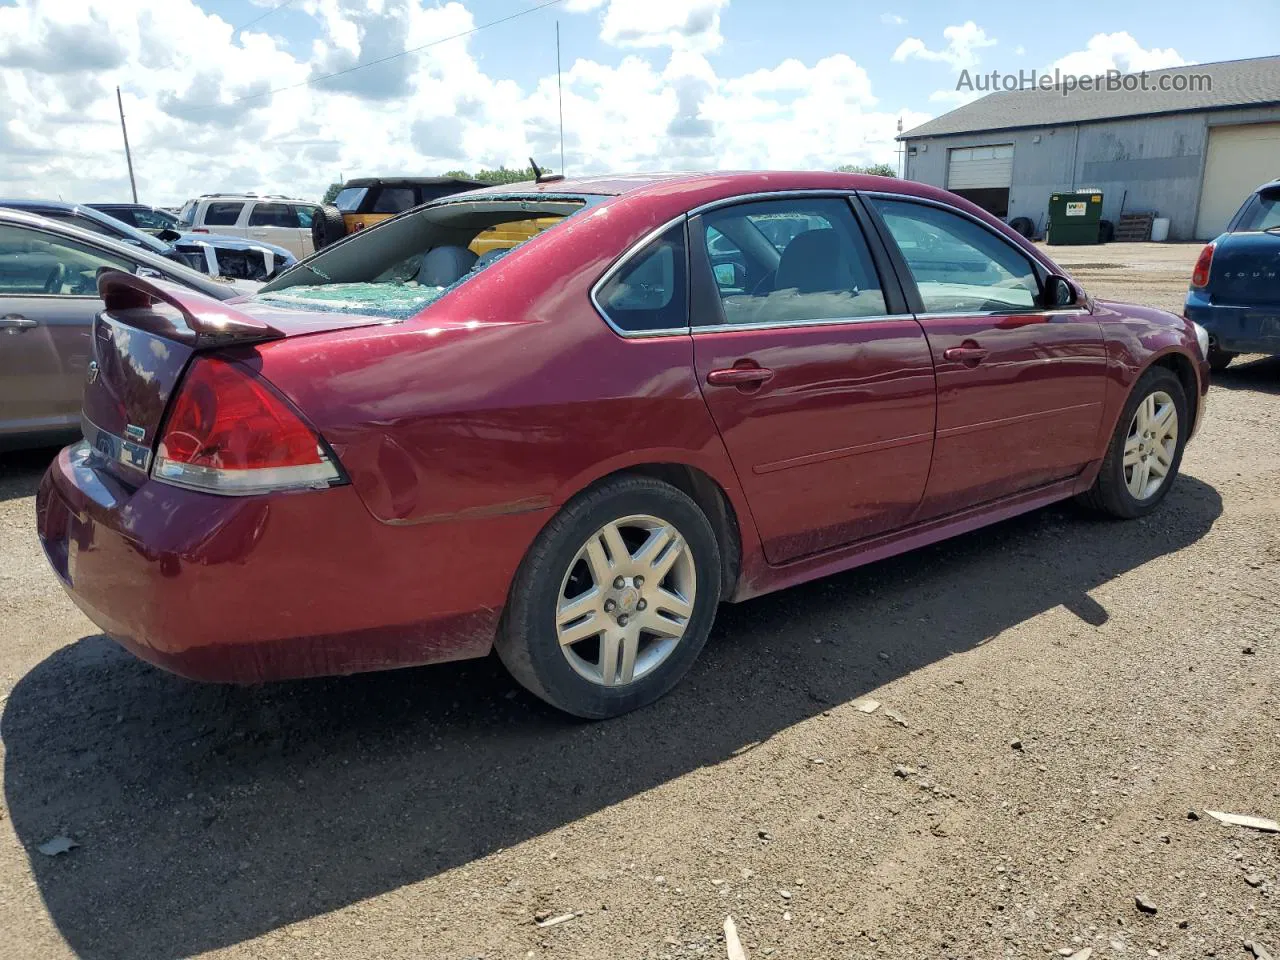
273 215
651 290
305 216
1262 212
959 266
222 214
394 200
349 199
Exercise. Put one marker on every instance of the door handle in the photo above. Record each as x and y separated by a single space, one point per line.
15 323
968 353
740 376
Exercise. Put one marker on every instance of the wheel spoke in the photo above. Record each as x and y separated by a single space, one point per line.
1165 421
591 625
651 621
598 563
617 547
1164 456
652 548
669 602
570 610
618 656
1132 451
1143 413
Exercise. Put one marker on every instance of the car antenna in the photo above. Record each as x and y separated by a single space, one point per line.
541 176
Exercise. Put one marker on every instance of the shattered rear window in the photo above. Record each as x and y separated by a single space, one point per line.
398 301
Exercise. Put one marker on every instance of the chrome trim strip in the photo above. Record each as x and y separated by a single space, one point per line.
621 262
118 449
787 324
772 195
1015 312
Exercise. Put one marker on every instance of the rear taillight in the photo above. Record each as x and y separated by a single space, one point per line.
1200 275
199 229
230 433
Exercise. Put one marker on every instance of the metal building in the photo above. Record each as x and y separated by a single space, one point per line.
1187 143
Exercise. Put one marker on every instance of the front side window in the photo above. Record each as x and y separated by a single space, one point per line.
394 200
35 263
222 214
273 215
152 219
959 266
650 291
785 261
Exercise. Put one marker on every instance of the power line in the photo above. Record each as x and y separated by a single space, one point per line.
261 16
373 63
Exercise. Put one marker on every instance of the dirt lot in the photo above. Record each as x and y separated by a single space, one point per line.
1072 694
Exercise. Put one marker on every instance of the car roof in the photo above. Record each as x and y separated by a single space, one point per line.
712 185
411 182
10 216
97 216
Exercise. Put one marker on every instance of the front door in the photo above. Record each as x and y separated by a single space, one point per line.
48 298
822 390
1020 386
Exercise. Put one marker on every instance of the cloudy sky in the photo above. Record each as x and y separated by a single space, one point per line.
242 94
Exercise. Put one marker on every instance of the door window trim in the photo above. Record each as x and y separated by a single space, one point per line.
899 308
627 256
907 278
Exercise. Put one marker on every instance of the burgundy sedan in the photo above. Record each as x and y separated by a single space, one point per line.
569 419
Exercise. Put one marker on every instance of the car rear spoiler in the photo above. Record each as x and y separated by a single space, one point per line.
205 322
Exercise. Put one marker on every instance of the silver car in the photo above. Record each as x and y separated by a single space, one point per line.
48 299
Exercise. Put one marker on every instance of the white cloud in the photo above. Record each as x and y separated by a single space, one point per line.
679 24
1117 51
1019 50
892 19
434 111
963 43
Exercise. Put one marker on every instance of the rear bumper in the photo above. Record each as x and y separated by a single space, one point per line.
1251 329
247 589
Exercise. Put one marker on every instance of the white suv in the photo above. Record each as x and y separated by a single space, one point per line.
283 221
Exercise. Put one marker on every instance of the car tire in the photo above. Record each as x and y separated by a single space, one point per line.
1120 490
1022 226
327 227
557 594
1219 359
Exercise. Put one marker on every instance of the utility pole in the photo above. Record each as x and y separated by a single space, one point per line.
902 160
127 155
560 92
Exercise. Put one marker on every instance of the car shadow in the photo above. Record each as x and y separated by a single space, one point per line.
209 815
1261 375
21 470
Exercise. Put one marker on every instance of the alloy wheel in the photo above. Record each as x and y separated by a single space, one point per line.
626 600
1150 445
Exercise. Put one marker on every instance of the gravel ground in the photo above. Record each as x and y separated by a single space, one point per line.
1062 698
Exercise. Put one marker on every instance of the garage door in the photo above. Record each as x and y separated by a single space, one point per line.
971 168
1240 159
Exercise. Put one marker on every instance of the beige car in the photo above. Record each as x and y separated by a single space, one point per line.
284 221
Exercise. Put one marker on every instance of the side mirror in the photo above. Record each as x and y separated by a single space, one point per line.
730 274
1059 292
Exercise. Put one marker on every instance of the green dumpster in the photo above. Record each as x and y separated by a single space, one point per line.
1074 217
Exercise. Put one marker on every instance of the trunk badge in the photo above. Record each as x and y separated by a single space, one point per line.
134 432
91 374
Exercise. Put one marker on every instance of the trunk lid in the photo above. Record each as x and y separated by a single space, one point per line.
141 344
1246 270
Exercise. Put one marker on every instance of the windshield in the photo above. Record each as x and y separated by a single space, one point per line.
401 266
1263 212
349 198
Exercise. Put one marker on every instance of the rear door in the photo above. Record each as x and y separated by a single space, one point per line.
223 216
818 378
275 222
306 214
1020 386
48 298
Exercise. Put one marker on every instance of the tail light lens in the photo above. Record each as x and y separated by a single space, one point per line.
230 433
1200 275
199 229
